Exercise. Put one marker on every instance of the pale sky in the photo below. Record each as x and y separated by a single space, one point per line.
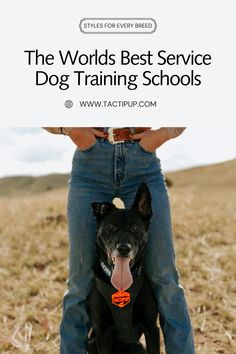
33 151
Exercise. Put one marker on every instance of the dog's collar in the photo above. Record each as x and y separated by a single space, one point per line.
137 270
106 269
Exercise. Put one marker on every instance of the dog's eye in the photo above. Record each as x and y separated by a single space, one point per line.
111 227
134 228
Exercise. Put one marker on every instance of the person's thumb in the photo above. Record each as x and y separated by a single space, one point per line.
137 136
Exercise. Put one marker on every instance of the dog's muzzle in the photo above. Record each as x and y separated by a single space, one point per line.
123 249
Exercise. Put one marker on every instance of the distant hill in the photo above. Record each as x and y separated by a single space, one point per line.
27 185
210 176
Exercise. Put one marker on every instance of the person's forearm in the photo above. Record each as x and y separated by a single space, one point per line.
171 132
53 130
174 132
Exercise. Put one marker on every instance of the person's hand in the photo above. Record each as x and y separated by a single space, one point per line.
84 138
151 140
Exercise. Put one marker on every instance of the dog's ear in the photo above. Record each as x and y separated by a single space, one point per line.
143 201
102 209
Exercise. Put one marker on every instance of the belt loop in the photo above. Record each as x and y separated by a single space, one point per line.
132 132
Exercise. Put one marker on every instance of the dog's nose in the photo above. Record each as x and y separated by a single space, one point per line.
123 248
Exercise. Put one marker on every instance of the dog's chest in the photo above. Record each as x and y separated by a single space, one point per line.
125 328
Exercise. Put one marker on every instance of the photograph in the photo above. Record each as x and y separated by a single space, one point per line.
96 235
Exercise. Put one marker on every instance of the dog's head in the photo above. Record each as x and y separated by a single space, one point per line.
122 235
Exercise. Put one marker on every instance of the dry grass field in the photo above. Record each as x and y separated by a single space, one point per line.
33 262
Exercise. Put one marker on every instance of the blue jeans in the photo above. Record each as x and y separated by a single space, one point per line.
100 173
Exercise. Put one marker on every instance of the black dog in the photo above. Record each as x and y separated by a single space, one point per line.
119 318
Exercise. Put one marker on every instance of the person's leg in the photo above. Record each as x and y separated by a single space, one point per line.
87 185
160 258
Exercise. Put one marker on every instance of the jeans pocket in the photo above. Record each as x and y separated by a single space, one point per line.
88 148
144 150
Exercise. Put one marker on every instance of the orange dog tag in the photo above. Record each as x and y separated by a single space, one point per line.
120 298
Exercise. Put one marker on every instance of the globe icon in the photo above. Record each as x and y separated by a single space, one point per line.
68 103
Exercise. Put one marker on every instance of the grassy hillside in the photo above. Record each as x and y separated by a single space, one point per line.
211 176
27 185
34 258
222 174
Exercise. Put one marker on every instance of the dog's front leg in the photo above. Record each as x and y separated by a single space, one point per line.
152 337
104 341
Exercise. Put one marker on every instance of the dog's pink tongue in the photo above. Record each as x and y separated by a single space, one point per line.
121 277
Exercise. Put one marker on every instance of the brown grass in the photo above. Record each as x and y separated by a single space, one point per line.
33 265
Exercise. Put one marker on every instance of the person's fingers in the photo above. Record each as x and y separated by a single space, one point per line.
138 135
98 133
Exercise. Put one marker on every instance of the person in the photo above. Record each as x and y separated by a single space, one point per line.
112 163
